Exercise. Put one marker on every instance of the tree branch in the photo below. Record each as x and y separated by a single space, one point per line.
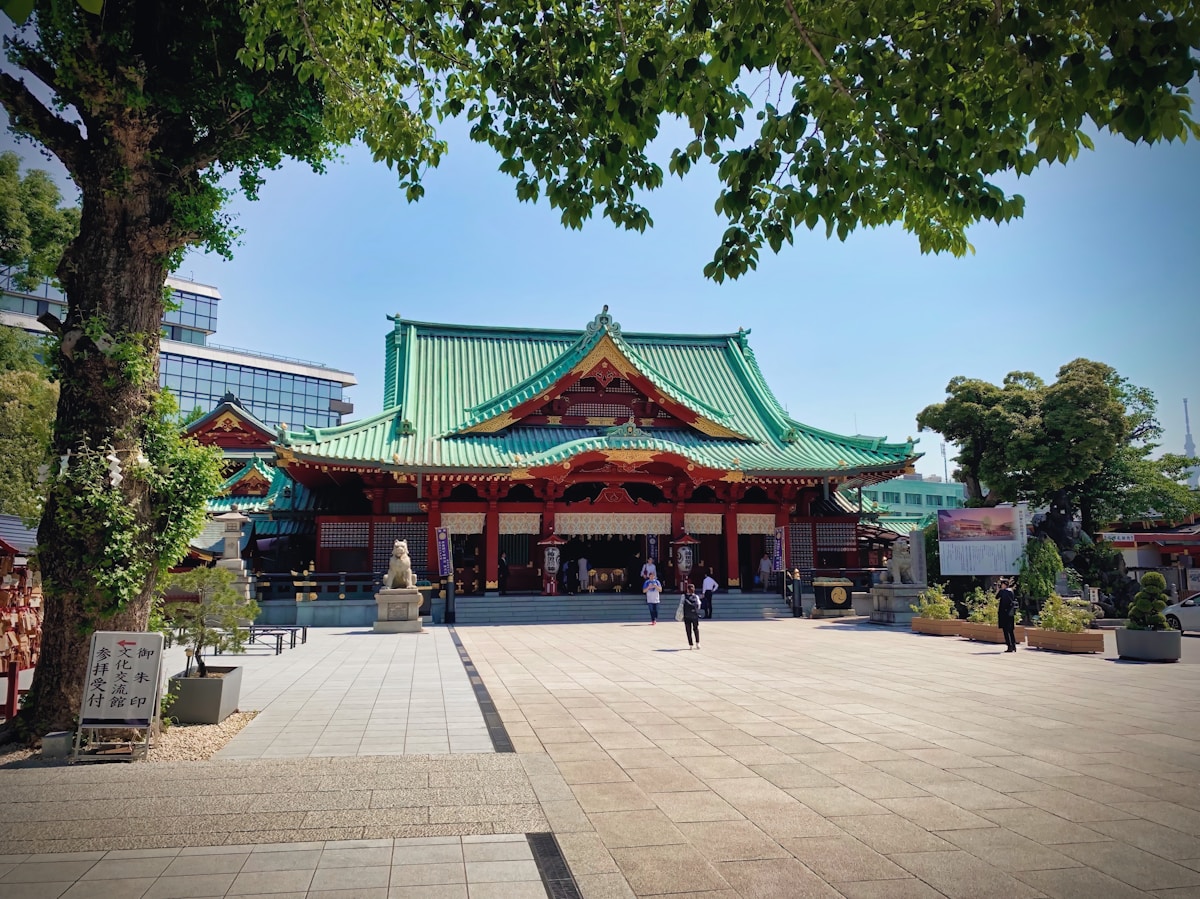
837 82
58 136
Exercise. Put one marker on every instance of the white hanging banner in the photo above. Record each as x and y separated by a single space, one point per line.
463 522
703 522
520 522
628 524
756 523
123 676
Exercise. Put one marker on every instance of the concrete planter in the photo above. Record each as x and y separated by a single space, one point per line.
205 700
987 633
1057 641
1149 646
937 627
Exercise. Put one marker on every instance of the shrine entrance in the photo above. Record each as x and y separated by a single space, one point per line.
614 564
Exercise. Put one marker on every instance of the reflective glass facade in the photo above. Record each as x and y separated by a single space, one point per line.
271 395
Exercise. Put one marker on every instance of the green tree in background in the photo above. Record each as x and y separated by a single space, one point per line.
27 402
34 227
867 115
1079 445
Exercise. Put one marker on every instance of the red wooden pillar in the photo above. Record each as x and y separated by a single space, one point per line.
491 537
733 572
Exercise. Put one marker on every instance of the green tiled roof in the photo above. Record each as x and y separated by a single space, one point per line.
278 497
442 378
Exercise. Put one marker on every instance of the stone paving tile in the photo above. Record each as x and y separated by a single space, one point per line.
1079 883
661 869
890 833
1007 850
1131 865
960 875
724 841
777 878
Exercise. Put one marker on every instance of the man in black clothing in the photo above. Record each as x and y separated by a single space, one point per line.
1007 613
502 573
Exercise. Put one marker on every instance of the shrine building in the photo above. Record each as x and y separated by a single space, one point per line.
615 446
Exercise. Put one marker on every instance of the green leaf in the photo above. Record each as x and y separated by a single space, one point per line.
93 6
18 10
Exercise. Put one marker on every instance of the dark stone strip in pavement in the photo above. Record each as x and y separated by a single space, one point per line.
556 874
501 741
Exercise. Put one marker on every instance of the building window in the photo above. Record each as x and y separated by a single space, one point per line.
913 499
933 500
872 495
890 497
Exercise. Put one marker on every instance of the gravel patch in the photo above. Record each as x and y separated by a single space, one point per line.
178 743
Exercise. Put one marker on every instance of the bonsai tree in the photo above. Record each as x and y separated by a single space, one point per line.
933 602
214 616
1067 616
1145 613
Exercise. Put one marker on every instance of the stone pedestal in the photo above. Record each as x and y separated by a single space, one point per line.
892 603
398 611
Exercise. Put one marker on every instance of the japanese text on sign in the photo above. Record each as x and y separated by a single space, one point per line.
123 676
445 559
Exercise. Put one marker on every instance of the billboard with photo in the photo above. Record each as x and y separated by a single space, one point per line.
982 541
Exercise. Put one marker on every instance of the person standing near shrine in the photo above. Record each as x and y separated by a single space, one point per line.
653 590
707 589
585 579
691 614
502 573
764 570
1007 615
649 570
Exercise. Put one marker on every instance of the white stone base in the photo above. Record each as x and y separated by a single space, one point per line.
892 603
398 611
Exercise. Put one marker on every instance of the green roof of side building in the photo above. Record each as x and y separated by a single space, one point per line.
452 392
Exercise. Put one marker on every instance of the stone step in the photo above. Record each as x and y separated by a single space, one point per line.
603 608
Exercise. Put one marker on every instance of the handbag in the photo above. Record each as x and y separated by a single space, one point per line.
679 611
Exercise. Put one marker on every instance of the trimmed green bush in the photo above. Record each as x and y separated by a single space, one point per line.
1145 612
983 607
1067 616
932 602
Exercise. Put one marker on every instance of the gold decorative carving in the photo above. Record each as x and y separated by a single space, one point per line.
492 425
520 474
734 477
227 421
492 585
553 419
604 351
286 456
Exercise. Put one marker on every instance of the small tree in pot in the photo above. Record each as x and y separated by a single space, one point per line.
215 619
1148 637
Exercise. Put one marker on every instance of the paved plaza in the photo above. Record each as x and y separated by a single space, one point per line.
785 758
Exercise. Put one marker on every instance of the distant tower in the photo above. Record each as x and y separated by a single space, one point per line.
1189 448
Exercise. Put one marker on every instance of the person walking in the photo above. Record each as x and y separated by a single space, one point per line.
764 570
708 588
649 570
1007 615
502 573
653 590
691 614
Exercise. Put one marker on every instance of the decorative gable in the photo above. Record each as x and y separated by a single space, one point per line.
230 426
599 382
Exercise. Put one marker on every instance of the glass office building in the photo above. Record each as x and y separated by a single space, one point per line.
275 389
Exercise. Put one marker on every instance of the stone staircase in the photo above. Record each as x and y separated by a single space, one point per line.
600 607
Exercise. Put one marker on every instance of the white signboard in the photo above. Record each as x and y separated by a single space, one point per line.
982 541
123 676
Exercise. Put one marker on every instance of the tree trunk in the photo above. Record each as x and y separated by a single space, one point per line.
113 276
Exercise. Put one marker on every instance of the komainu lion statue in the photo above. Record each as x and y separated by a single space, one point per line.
399 573
900 564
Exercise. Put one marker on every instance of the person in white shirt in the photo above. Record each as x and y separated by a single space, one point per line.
653 590
649 570
708 588
584 578
764 571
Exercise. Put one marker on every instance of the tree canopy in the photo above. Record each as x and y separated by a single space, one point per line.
1081 444
815 114
34 227
27 401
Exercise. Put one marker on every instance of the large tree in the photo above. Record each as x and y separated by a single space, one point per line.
815 113
35 227
1080 445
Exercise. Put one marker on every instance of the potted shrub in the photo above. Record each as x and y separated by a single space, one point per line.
1062 627
205 612
1148 637
983 618
933 613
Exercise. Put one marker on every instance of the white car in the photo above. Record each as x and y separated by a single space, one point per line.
1184 616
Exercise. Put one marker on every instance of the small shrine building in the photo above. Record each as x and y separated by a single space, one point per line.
617 446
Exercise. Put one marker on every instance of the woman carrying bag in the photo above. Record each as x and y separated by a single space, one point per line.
689 610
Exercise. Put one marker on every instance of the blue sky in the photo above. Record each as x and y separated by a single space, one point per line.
855 337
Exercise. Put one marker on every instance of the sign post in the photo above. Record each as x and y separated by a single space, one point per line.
445 556
124 680
777 560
